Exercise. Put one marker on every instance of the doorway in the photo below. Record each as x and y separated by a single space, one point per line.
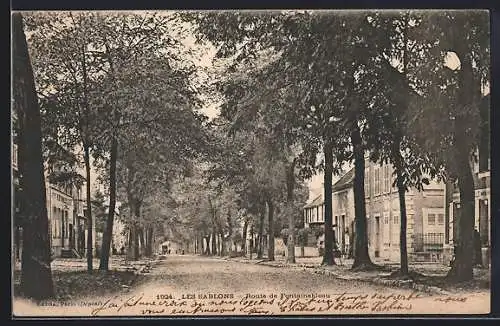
377 236
483 222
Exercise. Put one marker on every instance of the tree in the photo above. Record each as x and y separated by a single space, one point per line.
449 110
125 42
338 88
36 277
61 42
440 109
390 140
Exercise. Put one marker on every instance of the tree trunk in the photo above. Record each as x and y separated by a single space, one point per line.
135 248
399 172
90 244
199 244
290 184
130 242
222 245
402 232
302 251
149 241
361 257
462 268
36 277
108 233
261 232
142 241
328 254
270 249
214 243
244 236
207 245
135 207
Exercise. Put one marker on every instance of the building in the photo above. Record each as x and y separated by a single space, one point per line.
60 209
342 212
425 215
66 215
424 210
16 191
119 240
314 216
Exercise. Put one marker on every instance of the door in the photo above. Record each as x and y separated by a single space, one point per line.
342 233
71 237
377 236
483 222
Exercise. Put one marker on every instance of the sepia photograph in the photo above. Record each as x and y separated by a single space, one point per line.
199 163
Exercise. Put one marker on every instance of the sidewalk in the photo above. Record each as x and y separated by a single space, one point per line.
429 276
116 263
72 280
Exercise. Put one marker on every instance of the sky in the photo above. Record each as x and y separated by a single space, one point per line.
203 56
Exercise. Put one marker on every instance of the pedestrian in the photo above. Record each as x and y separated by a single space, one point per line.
347 248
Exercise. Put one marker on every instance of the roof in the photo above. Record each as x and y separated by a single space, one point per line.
318 200
345 181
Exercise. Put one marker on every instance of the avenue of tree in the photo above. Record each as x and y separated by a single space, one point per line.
119 91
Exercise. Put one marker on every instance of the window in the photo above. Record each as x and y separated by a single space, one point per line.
395 219
54 216
65 224
440 219
57 225
431 219
387 179
14 156
367 182
386 219
376 181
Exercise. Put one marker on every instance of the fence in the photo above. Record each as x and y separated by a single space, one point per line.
428 247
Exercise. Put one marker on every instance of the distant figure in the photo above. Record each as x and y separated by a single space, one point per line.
476 255
347 248
122 250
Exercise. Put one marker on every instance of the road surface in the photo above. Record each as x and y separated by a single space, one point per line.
195 285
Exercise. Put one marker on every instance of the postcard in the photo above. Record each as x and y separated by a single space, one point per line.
250 163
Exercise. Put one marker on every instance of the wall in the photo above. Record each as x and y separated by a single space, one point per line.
59 205
343 205
382 203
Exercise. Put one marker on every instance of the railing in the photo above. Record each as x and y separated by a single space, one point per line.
428 242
